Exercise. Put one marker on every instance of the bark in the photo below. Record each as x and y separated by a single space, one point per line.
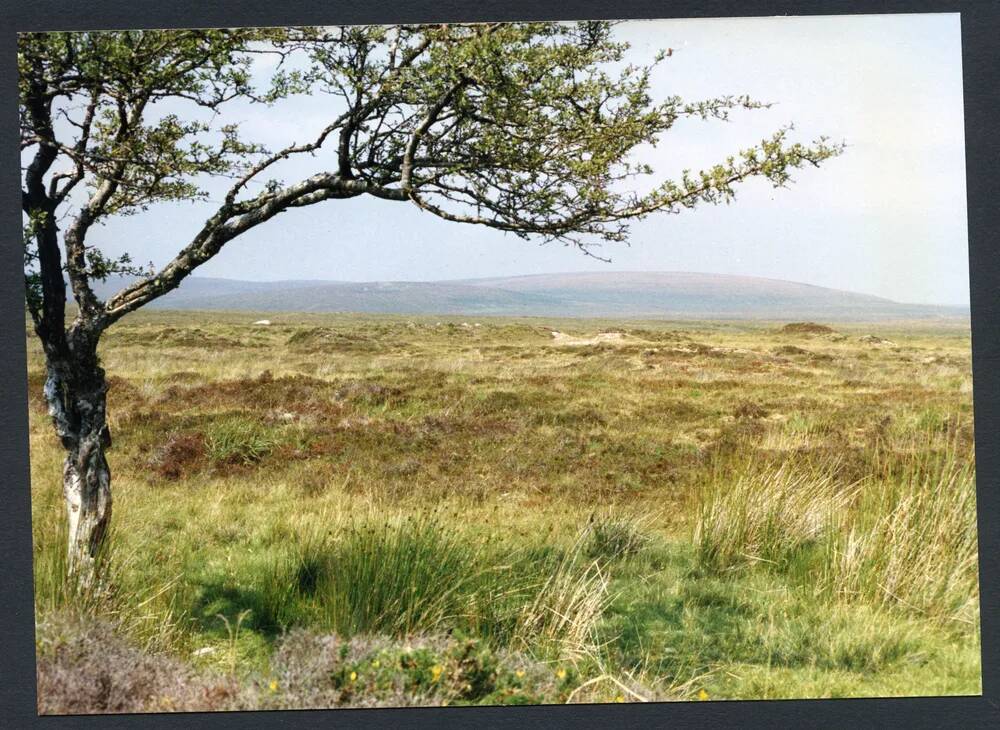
76 394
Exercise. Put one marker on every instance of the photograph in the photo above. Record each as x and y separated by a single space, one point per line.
498 363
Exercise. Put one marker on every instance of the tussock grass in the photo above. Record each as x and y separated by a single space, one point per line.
903 538
567 606
398 577
911 540
148 612
615 535
767 516
239 440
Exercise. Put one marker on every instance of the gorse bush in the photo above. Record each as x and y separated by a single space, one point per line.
764 515
312 669
85 666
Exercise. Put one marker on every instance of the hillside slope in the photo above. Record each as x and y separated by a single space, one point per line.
601 294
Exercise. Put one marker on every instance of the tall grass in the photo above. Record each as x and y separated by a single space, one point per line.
566 607
611 536
399 577
149 613
403 575
285 531
241 440
911 539
379 574
768 516
905 537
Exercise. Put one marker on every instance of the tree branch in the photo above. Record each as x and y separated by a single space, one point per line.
225 226
406 170
76 252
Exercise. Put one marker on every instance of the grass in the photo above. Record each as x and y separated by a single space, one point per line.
611 536
240 440
566 607
911 540
904 536
770 516
402 575
397 578
693 508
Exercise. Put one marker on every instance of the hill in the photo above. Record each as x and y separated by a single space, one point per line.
676 295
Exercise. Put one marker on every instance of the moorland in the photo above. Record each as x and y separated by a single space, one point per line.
358 510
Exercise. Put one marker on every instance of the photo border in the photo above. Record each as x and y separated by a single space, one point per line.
980 23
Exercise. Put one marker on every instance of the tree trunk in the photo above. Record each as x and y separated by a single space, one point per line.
76 396
87 486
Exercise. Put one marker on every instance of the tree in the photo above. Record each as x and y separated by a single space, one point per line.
528 128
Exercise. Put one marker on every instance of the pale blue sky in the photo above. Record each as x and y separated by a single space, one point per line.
887 218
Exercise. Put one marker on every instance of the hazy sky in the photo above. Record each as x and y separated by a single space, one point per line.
886 218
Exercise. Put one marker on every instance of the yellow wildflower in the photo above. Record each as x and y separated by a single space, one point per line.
702 694
561 673
519 673
436 672
354 676
274 685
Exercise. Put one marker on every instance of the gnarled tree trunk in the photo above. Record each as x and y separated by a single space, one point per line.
76 394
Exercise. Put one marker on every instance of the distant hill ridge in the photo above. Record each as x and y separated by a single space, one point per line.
678 295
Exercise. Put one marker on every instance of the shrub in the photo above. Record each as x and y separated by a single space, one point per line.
178 455
749 410
315 670
85 666
368 393
807 328
789 350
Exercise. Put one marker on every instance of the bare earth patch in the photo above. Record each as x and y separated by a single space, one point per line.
602 338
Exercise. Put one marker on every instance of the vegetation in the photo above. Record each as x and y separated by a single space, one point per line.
527 128
339 510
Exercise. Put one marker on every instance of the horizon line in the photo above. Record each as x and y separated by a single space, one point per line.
962 305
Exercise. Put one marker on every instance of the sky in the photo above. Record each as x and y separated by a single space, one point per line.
888 217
